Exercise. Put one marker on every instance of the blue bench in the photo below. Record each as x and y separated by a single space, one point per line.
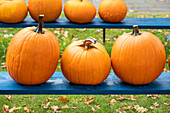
59 85
127 23
112 85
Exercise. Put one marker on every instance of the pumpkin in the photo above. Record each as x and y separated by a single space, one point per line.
112 10
85 62
33 55
138 58
51 9
79 11
12 11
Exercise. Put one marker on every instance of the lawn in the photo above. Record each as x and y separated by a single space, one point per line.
81 103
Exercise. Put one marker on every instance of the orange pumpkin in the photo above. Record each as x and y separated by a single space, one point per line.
50 8
138 58
33 55
86 62
112 10
12 11
79 11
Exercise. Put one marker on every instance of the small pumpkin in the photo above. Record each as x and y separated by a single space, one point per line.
12 11
50 8
138 58
85 62
33 55
112 10
79 11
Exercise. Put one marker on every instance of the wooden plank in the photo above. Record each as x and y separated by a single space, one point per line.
59 85
143 23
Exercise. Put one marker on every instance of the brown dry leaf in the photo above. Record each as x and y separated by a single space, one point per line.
122 98
27 110
92 108
153 96
65 107
97 106
62 99
168 108
140 109
46 105
133 98
167 103
89 100
55 108
155 104
8 97
5 108
74 107
151 107
113 101
167 95
14 108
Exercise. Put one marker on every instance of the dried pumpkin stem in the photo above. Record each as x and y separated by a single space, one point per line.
135 30
88 42
39 29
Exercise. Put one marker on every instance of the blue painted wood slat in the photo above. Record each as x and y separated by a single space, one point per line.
143 23
59 85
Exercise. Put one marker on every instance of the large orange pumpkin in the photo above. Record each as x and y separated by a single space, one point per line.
33 55
112 10
50 8
79 11
86 62
12 11
138 58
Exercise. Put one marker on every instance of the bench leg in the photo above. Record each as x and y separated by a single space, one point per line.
104 31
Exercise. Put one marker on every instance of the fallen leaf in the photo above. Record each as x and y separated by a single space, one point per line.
153 96
65 107
14 108
167 103
62 99
92 108
155 104
151 107
27 110
167 95
66 33
46 105
55 108
5 108
133 98
97 106
140 109
168 108
113 101
122 98
8 97
89 100
74 107
57 32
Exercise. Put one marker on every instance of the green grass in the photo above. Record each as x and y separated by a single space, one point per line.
35 102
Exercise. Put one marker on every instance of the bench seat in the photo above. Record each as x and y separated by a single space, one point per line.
59 85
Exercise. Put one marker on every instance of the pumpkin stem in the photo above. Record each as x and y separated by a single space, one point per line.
40 25
135 30
88 42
